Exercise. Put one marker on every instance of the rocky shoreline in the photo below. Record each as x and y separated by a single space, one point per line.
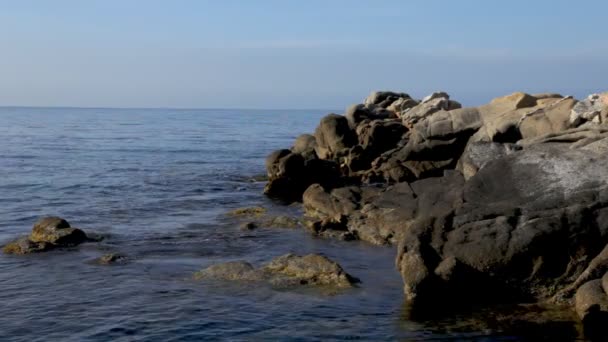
502 203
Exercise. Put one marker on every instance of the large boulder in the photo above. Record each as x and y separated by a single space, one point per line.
523 218
289 270
48 233
290 173
333 135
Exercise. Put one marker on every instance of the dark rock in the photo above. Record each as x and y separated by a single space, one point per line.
519 214
305 145
333 135
248 226
48 233
112 259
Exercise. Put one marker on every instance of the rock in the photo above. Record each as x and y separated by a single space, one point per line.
514 101
48 233
112 259
285 271
355 114
431 104
516 218
591 303
248 211
593 109
333 135
384 98
25 246
305 145
281 222
478 154
552 117
401 105
340 202
56 231
311 269
435 144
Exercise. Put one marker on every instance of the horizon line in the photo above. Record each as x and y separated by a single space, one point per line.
158 108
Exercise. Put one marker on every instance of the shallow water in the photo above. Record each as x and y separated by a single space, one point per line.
157 184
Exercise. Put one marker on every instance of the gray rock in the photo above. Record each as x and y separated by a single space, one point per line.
593 109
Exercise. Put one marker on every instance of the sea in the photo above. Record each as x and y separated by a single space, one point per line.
157 185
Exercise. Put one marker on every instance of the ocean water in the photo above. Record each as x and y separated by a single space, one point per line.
157 184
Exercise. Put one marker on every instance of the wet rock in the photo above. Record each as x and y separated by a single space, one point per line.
280 221
26 246
112 259
311 269
291 173
248 211
285 271
48 233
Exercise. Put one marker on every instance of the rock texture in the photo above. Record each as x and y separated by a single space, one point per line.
285 271
48 233
505 202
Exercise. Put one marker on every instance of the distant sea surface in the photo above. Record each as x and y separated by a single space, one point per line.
157 184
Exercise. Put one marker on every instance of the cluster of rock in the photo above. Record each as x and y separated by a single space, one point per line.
285 271
48 233
507 201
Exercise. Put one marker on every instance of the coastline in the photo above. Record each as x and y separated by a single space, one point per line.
501 203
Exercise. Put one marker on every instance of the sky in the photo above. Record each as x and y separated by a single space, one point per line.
293 53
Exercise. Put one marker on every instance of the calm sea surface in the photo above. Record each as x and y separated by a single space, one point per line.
157 184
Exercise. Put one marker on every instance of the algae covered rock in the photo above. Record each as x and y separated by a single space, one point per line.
48 233
289 270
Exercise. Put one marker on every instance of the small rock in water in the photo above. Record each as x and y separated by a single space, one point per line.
111 259
48 233
248 211
289 270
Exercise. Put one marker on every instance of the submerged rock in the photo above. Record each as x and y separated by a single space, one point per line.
248 211
285 271
112 259
48 233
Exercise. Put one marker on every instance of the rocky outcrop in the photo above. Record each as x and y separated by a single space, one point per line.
285 271
507 201
48 233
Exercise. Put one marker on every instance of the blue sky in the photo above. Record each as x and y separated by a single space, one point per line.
292 53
